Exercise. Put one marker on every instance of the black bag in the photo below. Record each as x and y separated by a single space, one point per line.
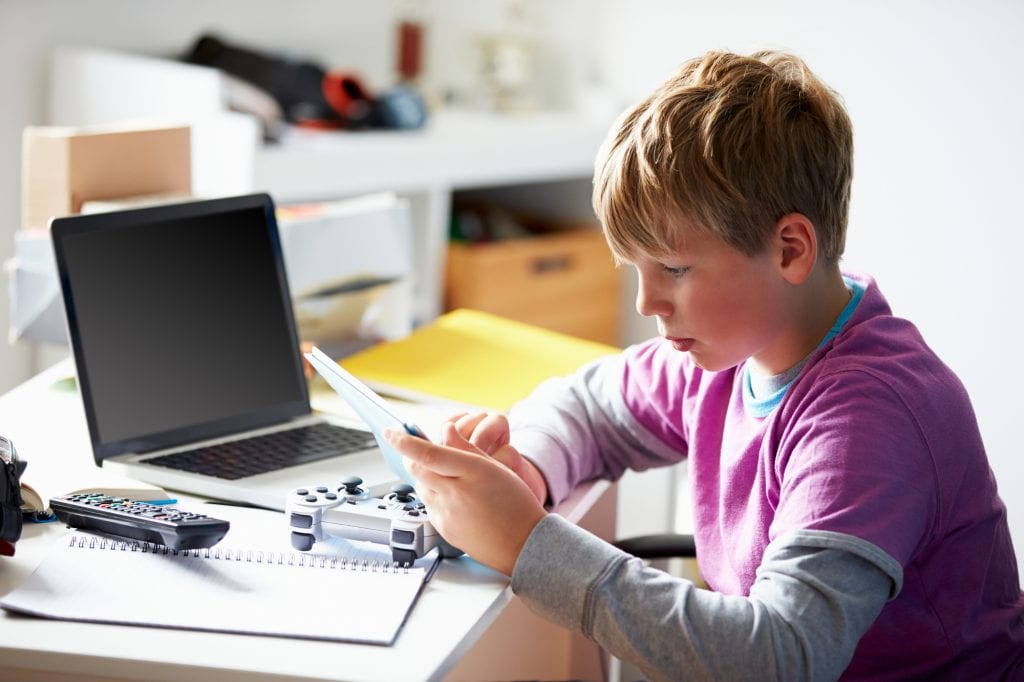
10 496
309 95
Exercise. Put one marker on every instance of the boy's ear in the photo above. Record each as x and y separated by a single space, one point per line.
797 246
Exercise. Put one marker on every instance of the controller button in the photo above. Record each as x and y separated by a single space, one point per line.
301 492
301 521
351 485
408 507
310 498
402 491
412 512
403 537
331 496
321 489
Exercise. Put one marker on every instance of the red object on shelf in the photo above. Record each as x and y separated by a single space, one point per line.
410 49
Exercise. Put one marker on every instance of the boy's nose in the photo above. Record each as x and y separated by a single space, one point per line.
648 302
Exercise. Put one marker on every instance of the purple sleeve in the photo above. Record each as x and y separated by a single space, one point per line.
581 427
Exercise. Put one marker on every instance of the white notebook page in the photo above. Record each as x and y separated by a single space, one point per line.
289 594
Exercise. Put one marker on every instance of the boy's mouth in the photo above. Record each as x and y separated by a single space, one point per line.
680 344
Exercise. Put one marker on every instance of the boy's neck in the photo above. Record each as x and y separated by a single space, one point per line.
813 309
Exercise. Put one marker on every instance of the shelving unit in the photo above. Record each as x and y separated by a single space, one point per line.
456 151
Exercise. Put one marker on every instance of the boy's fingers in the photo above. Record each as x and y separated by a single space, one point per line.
427 482
453 438
440 460
467 423
491 433
507 455
456 417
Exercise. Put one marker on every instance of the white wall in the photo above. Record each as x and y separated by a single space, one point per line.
934 89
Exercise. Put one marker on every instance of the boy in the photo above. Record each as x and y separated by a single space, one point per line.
847 520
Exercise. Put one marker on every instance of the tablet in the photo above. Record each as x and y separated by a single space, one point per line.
370 407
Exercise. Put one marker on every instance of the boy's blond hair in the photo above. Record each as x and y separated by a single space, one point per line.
728 144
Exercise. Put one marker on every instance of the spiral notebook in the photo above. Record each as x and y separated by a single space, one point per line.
264 592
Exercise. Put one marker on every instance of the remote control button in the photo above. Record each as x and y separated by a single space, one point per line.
301 492
331 496
310 498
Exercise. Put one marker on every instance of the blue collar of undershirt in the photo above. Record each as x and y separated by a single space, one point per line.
763 406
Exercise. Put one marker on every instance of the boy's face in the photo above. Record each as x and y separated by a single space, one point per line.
715 302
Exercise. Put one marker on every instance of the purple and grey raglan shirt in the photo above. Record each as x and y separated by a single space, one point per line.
853 531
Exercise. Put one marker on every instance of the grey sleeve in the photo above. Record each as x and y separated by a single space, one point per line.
578 428
815 595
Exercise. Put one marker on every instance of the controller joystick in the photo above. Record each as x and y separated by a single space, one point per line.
350 488
399 519
403 492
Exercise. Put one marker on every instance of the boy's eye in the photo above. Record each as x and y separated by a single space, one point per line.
674 271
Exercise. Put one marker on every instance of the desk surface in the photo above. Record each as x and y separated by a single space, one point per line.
48 427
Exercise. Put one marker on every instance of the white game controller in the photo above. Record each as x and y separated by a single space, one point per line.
398 519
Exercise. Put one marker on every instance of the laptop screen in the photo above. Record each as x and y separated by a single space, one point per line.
180 321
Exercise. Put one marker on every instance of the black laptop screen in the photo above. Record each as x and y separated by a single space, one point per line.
180 321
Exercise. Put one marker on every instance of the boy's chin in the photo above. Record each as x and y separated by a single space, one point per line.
711 364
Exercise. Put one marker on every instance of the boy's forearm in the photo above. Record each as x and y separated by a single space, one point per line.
793 626
579 428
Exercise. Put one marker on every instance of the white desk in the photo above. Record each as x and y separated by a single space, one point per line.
458 606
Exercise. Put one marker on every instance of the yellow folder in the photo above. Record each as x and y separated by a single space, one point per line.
474 358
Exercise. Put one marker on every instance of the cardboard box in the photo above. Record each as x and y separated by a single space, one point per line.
565 281
63 167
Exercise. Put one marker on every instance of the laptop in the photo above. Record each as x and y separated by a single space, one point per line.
187 357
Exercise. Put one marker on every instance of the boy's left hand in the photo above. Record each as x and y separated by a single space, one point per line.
477 504
306 347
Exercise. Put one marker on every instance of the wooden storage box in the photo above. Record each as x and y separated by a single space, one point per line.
63 167
565 281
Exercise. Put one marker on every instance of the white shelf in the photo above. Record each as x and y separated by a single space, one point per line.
456 150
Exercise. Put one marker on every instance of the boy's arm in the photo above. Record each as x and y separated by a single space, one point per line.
579 428
815 596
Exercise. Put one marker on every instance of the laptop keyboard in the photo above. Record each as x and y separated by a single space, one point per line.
270 452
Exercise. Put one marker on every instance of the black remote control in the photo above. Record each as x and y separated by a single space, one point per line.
127 518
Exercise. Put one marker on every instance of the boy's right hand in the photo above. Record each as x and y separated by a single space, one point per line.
490 433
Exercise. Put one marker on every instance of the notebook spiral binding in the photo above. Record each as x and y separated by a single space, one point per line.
246 555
